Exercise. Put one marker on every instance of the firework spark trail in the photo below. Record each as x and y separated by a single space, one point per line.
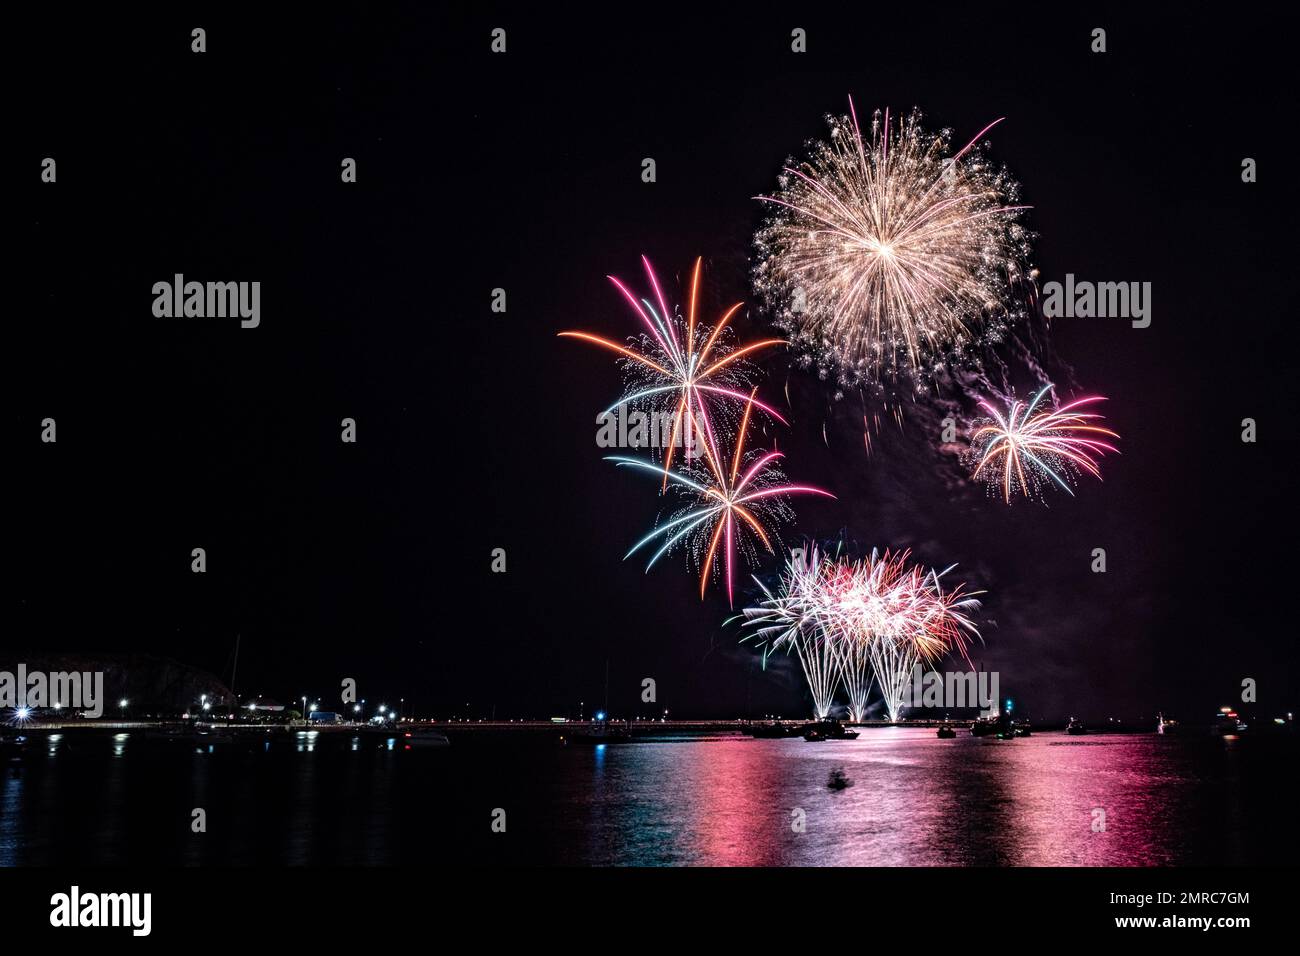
854 612
892 662
681 366
858 676
884 258
729 499
1028 448
861 624
910 621
877 608
795 619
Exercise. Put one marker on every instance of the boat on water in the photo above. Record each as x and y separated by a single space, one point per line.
169 734
946 732
423 740
1021 728
820 730
601 732
200 735
1075 727
1227 724
838 780
989 726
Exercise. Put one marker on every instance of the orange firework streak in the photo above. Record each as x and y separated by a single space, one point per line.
727 496
678 364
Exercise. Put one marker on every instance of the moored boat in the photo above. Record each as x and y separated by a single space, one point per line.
423 739
601 732
13 745
987 726
820 730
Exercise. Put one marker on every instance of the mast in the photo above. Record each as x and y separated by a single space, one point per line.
234 671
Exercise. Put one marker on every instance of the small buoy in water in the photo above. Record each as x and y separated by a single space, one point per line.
837 780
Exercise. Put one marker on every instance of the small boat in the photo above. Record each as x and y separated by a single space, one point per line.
1075 727
1021 729
827 730
1227 725
422 740
12 746
601 732
170 734
838 781
986 726
946 732
224 735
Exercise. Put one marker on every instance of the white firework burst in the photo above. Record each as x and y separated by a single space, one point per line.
891 255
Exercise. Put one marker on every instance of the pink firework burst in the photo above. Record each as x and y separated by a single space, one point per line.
1031 448
734 498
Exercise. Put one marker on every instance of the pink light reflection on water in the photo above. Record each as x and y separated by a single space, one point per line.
915 800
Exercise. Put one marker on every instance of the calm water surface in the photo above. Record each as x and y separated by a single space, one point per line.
81 798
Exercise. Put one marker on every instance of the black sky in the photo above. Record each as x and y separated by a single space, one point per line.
477 430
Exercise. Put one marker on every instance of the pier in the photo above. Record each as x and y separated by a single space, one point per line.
642 728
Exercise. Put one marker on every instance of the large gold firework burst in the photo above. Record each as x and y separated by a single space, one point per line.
892 254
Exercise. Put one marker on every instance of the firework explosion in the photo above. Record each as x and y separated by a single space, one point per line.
847 608
796 618
888 255
727 500
863 623
1030 449
919 623
699 376
676 364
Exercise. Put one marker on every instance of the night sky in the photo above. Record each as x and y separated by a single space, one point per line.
477 430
